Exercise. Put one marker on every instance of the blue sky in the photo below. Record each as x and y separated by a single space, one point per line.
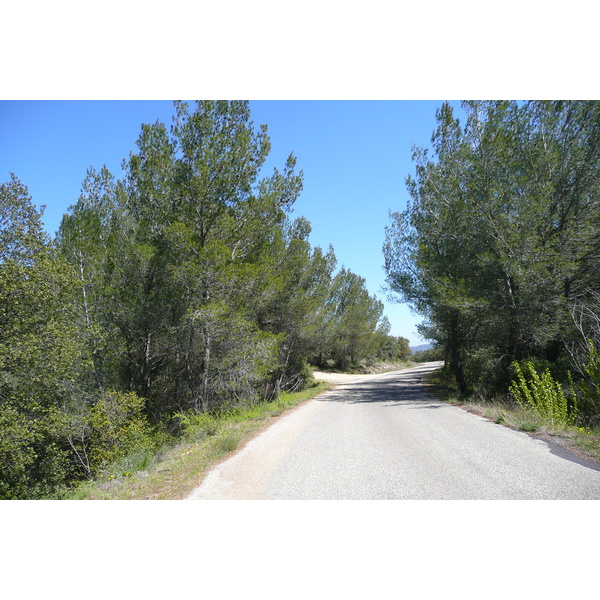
355 156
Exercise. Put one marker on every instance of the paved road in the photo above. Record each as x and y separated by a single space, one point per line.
383 437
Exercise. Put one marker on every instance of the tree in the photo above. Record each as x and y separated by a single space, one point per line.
183 237
394 348
294 286
500 232
41 358
426 251
93 239
356 316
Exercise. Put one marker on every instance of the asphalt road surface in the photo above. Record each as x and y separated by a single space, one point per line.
377 437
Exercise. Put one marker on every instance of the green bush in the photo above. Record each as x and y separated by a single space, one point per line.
484 371
118 426
544 395
17 452
197 425
34 461
113 427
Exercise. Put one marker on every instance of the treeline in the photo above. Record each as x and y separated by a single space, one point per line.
182 286
499 247
432 354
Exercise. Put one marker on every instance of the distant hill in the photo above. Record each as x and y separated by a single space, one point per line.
421 347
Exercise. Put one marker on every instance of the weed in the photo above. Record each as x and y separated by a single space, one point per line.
136 461
229 441
529 426
198 425
454 398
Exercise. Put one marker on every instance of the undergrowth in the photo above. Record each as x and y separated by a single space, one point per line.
543 394
176 469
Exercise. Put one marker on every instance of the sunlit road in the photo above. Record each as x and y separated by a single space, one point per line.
381 437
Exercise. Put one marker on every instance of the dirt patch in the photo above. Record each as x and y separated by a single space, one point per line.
337 378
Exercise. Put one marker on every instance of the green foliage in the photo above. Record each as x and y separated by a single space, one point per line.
21 234
354 319
590 385
110 435
184 286
34 459
592 368
544 395
41 357
498 248
116 427
198 425
17 452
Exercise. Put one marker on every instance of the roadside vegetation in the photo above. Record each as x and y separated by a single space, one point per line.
581 438
391 354
174 470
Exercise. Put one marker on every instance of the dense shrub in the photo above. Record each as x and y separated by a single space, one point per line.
544 395
114 426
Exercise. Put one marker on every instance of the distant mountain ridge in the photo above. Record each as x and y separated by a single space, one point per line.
421 347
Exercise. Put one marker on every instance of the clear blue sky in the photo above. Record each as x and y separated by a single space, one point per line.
355 156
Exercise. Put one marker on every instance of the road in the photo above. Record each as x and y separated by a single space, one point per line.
376 437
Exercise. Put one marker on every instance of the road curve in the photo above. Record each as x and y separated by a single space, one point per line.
378 437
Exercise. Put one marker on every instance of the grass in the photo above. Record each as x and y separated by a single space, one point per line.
174 472
583 441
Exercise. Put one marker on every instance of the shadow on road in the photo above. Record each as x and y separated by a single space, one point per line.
567 454
407 391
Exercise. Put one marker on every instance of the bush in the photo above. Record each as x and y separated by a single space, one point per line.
485 372
197 425
17 452
544 395
112 428
34 461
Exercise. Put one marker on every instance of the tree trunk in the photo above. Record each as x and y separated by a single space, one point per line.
204 389
456 357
